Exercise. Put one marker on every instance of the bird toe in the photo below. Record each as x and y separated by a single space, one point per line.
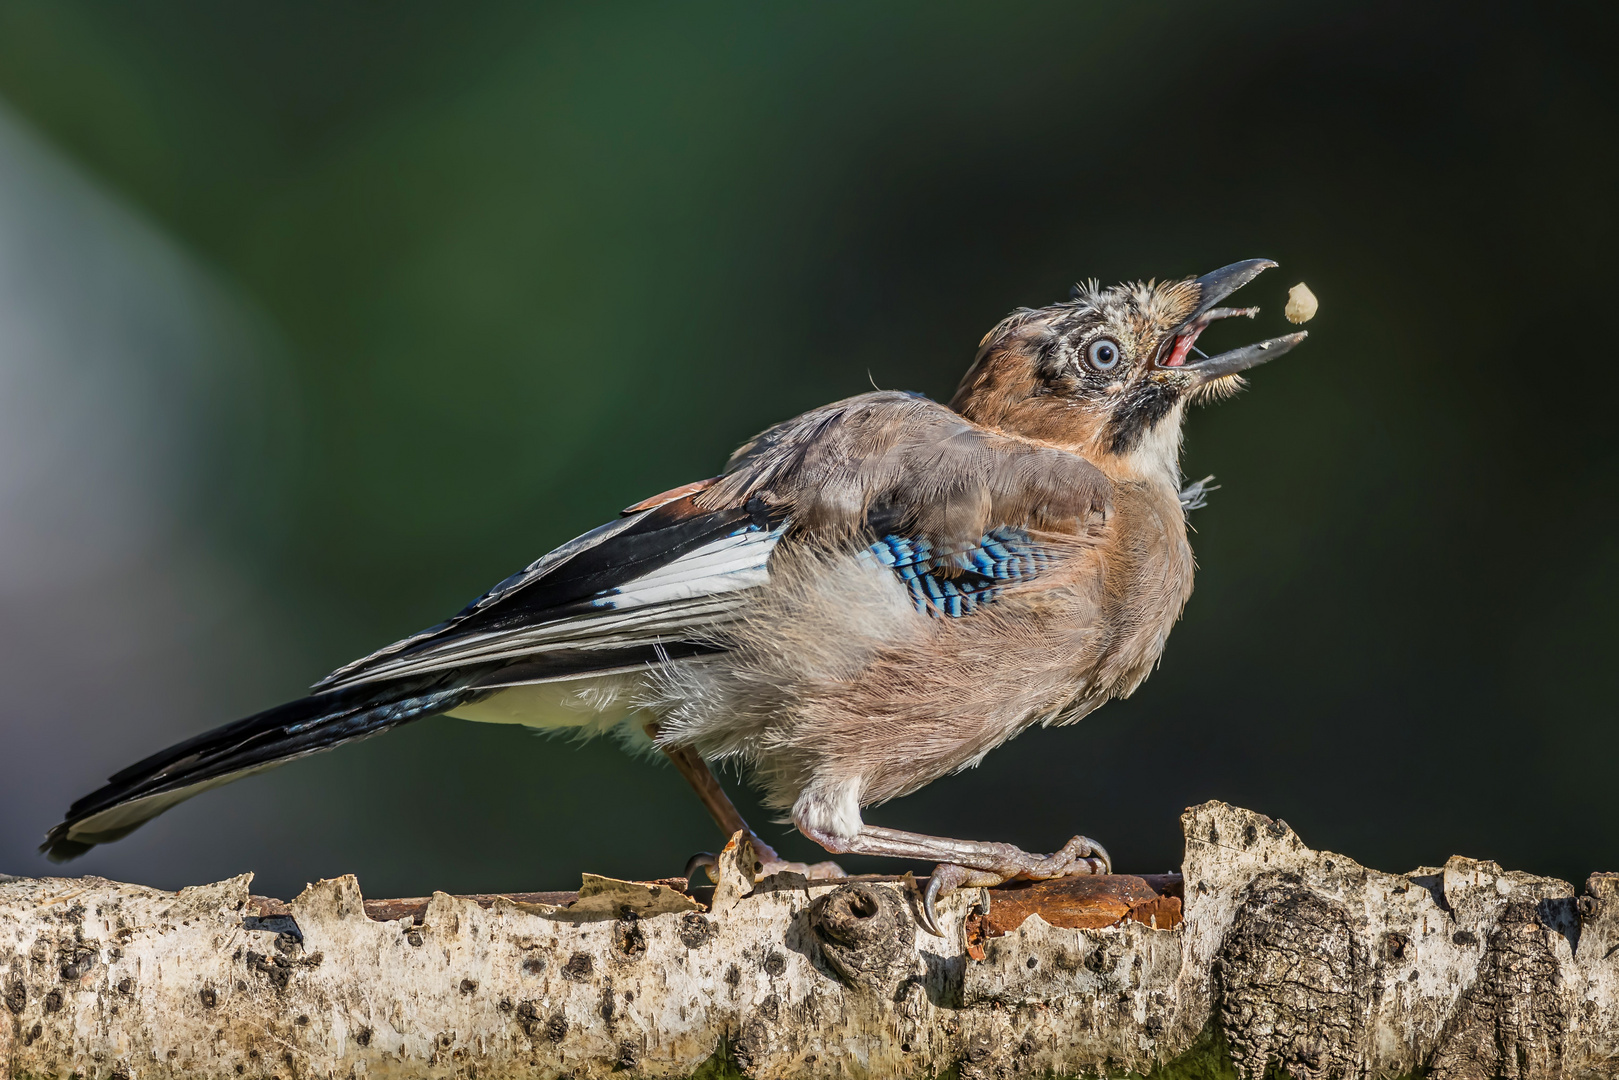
946 879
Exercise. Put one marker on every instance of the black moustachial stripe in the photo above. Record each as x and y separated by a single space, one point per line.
1146 404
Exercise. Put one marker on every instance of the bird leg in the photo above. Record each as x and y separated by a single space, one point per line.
729 819
966 862
707 786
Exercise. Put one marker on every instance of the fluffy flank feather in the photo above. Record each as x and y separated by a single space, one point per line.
834 674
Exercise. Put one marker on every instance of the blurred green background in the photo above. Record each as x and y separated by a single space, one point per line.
318 318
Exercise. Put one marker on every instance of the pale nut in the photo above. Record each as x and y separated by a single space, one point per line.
1301 304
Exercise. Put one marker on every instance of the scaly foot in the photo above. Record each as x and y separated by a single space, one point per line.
768 863
1081 855
771 863
963 862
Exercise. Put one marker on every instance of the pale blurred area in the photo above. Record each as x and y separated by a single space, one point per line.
134 392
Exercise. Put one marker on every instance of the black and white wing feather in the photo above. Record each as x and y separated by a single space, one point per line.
607 601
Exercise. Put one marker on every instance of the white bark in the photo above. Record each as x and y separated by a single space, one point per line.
1287 956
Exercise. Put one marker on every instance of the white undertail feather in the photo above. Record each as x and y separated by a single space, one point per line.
583 707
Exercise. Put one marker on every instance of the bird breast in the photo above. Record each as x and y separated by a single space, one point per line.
1147 577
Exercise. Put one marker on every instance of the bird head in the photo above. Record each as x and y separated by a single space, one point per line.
1109 372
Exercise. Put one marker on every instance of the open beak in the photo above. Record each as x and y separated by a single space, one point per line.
1211 289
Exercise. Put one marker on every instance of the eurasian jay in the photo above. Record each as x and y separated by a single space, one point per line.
870 596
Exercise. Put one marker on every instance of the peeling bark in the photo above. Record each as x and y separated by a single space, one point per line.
1275 958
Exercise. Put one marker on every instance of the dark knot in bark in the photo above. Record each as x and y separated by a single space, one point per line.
855 916
866 935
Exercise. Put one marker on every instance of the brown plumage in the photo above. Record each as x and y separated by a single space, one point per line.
870 596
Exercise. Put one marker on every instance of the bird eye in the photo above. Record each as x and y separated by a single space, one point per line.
1103 354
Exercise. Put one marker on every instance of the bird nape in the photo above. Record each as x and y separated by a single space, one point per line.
869 596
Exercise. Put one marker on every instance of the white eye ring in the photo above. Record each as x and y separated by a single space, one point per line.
1103 354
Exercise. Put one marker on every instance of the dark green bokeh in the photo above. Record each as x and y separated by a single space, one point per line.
532 264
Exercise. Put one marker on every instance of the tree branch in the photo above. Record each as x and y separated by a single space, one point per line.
1285 957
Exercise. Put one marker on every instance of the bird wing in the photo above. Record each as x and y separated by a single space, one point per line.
627 594
895 462
656 583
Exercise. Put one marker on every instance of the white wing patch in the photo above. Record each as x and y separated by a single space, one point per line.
696 591
535 570
731 564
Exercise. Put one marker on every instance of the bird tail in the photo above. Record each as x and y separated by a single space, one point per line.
262 741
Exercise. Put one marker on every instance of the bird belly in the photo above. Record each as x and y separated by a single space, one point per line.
838 681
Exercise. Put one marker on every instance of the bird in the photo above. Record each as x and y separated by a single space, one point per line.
868 597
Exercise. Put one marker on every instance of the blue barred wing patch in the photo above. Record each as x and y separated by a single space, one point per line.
952 583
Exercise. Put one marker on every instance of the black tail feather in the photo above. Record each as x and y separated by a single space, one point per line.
299 728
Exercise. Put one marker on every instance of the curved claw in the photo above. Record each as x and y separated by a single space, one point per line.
1081 855
705 860
927 916
1100 852
946 879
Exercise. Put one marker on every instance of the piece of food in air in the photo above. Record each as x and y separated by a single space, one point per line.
1301 304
